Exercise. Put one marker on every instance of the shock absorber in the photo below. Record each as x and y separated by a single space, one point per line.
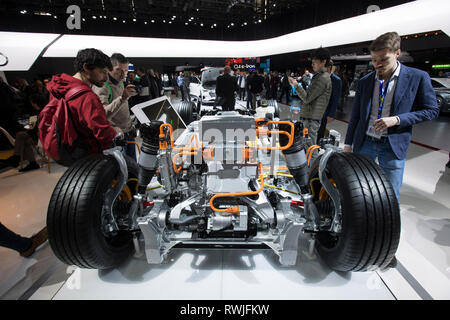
149 151
295 156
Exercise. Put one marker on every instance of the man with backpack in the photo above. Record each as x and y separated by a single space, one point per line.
114 97
73 124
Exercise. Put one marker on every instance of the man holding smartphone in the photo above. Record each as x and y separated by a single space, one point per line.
114 96
388 102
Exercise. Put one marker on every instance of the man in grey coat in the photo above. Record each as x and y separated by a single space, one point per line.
316 97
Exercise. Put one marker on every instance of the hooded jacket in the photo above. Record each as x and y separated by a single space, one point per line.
88 114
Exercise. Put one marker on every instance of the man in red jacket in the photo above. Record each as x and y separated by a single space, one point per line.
88 114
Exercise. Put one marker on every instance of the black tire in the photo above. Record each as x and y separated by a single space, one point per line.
370 214
186 110
74 214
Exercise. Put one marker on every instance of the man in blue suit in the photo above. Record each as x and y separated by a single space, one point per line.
388 102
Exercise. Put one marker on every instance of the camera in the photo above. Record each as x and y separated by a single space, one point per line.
138 88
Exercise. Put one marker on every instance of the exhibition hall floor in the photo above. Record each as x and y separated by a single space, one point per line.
423 270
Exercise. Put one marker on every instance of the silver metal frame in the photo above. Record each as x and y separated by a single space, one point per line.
278 228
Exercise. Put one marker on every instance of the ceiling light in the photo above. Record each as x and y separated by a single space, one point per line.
40 13
84 19
215 25
123 21
94 17
153 21
201 24
170 22
134 20
23 11
259 21
164 21
56 17
232 24
352 30
145 22
186 23
114 18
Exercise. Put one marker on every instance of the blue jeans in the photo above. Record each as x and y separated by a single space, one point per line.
387 160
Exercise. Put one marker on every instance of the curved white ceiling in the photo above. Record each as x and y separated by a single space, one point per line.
22 49
413 17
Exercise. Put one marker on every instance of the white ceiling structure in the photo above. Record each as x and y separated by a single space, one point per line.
22 49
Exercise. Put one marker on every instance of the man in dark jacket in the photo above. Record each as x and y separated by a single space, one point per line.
285 87
255 86
225 89
153 84
267 84
274 83
144 83
88 113
330 112
185 86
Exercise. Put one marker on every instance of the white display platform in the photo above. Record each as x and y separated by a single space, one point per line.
223 274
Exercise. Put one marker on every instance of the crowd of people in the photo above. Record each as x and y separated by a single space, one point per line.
20 102
100 93
275 85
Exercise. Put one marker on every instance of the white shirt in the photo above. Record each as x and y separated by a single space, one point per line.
242 80
386 111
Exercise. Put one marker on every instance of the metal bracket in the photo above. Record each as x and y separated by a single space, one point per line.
166 171
111 195
153 240
289 243
176 211
330 189
311 211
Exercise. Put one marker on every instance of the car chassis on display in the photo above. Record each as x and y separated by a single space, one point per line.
210 187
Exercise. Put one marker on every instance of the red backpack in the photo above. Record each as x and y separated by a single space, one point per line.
57 132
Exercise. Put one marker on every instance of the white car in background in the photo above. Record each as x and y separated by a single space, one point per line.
203 91
441 87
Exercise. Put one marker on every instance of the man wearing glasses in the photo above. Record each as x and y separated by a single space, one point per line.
388 102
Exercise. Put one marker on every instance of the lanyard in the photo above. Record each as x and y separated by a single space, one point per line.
381 96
